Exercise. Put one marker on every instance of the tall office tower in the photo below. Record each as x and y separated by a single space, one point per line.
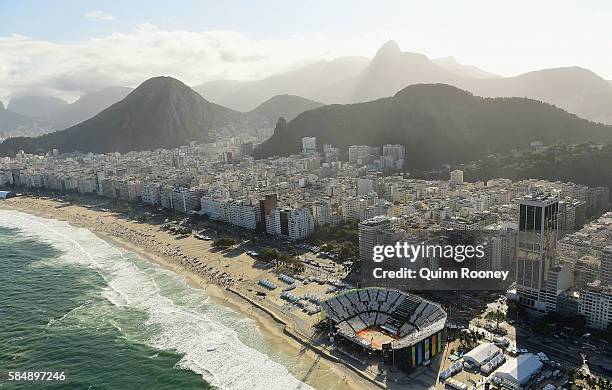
393 156
537 240
606 267
456 177
309 145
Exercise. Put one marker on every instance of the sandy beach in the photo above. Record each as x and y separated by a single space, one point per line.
229 277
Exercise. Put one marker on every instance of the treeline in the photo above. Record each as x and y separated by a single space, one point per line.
585 163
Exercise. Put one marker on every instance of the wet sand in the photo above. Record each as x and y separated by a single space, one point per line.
229 279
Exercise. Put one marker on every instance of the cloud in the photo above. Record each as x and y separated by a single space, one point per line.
99 15
128 58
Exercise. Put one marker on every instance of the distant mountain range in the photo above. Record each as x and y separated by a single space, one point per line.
86 106
37 115
12 124
574 89
161 113
437 123
357 79
314 81
35 106
284 106
466 71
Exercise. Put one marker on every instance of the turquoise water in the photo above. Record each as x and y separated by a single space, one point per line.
53 317
69 301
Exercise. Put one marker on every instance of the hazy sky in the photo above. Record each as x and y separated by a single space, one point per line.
68 47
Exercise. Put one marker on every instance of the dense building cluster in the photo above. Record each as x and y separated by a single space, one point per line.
290 196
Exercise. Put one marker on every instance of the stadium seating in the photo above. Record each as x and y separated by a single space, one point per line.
398 313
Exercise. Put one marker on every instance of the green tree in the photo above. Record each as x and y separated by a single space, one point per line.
224 243
497 316
268 254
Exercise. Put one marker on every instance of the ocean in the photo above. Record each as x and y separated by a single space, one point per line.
71 302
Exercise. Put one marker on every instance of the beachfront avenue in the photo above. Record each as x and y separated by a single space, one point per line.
439 274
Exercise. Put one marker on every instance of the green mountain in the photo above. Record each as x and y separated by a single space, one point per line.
285 106
161 113
437 123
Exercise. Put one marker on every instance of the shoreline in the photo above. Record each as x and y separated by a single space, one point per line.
324 370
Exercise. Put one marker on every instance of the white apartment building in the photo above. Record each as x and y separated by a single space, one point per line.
32 180
393 156
351 208
294 224
6 178
151 193
309 144
362 154
235 212
321 212
559 279
165 197
375 231
184 200
595 304
87 185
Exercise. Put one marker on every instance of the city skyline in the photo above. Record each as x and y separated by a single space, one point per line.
269 195
79 50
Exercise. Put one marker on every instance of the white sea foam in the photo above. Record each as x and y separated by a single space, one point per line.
210 348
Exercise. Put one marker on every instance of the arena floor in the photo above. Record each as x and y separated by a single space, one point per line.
376 337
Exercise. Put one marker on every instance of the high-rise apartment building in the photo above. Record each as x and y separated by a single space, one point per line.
393 156
595 304
537 239
293 224
376 231
321 212
309 145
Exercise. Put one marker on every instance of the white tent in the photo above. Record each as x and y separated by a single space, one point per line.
520 369
481 354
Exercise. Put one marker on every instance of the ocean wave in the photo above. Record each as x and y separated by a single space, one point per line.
209 347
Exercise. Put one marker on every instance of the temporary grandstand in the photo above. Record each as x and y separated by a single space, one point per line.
376 318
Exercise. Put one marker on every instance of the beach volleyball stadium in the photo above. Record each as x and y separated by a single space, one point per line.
388 321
